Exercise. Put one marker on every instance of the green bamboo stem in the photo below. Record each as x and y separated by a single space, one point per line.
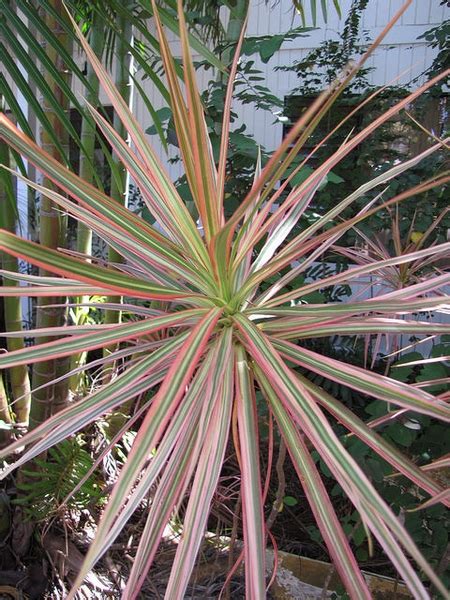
51 234
86 171
119 184
5 414
238 12
119 191
88 133
18 376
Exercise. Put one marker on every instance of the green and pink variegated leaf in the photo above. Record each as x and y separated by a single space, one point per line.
443 497
85 193
340 277
204 184
357 427
150 432
283 329
191 130
364 381
185 434
266 221
193 414
85 272
224 142
144 375
167 193
301 405
317 495
169 492
252 509
158 256
208 470
186 420
116 333
56 331
168 219
385 304
52 291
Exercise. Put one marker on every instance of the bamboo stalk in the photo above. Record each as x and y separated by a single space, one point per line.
119 185
5 414
119 191
52 398
18 376
86 171
238 12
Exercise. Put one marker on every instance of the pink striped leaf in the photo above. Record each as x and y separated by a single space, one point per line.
186 429
168 493
443 497
299 402
117 333
163 406
252 510
204 186
379 304
206 477
166 190
195 410
299 192
186 419
144 375
191 128
348 275
362 380
284 329
52 291
154 253
375 441
86 194
85 272
317 496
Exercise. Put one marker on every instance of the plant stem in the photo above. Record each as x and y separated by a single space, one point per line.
281 490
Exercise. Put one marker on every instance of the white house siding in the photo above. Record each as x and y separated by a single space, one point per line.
400 51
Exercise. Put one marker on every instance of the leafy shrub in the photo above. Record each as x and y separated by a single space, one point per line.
206 338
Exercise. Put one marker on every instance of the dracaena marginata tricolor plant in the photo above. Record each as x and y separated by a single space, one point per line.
221 339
